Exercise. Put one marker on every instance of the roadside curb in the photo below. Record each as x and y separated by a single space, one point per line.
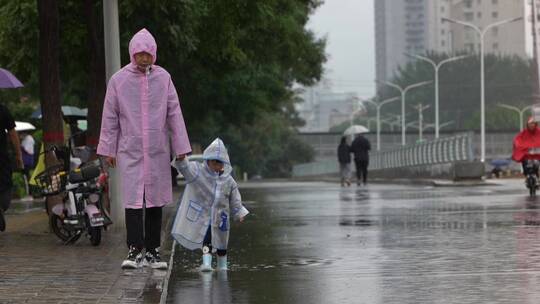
165 288
444 183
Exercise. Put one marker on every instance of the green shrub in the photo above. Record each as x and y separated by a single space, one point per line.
19 189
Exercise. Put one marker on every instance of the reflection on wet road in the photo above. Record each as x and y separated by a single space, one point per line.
319 243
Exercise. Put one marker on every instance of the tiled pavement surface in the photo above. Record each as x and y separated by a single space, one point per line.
35 267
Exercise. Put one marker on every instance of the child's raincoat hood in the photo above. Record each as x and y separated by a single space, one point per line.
217 151
143 41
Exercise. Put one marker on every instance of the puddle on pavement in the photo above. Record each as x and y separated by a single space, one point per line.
380 244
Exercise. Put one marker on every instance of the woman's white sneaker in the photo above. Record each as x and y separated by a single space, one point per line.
152 259
133 259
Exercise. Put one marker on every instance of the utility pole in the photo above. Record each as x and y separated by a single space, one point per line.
112 64
421 109
534 70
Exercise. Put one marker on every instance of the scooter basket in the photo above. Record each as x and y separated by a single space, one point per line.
52 180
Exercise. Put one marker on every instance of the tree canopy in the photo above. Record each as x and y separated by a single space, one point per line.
234 63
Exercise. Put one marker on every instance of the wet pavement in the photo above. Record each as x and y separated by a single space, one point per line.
35 267
319 243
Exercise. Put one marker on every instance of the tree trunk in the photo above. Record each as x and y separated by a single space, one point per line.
49 72
96 87
49 82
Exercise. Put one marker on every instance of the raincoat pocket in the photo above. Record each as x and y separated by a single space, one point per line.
194 211
223 224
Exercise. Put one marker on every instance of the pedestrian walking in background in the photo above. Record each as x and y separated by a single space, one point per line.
141 111
344 159
360 147
7 129
211 199
27 149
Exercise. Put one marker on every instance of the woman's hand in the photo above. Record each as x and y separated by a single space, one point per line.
111 161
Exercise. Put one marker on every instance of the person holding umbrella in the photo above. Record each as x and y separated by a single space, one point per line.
344 159
360 148
7 129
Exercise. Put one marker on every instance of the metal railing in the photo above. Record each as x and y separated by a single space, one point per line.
443 150
498 144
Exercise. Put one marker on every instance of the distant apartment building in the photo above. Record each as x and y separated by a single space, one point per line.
417 26
507 39
323 109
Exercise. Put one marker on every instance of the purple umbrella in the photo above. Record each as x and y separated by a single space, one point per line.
8 81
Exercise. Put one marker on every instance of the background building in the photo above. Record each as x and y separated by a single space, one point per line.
416 26
322 109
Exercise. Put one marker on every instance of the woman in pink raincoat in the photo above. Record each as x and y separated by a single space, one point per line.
141 111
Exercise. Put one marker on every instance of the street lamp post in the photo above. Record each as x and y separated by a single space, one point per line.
436 67
378 106
520 112
403 92
393 120
482 76
444 124
355 110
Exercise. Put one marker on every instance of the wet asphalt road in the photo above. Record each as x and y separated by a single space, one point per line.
319 243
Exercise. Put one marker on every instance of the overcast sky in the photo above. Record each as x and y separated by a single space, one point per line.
349 27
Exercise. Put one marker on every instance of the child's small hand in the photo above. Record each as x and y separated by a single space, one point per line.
241 220
180 157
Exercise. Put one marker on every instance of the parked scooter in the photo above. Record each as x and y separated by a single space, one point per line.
82 191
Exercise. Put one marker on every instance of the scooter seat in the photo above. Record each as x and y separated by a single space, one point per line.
84 174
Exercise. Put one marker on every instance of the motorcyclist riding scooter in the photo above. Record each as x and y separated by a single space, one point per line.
526 150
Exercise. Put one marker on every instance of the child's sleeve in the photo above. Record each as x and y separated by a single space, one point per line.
237 209
189 170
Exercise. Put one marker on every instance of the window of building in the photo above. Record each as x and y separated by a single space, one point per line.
495 31
479 2
494 1
468 3
443 43
469 16
495 15
479 15
442 9
443 31
495 46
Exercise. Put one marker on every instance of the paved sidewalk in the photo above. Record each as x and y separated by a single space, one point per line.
36 267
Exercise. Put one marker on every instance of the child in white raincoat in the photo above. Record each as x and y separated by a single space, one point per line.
210 199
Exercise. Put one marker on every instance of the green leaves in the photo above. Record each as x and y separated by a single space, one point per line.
234 63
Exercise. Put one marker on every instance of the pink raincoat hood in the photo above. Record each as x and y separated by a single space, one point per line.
143 41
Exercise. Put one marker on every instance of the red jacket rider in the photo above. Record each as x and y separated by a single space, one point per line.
525 140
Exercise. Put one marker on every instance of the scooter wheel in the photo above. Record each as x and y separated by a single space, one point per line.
95 235
61 230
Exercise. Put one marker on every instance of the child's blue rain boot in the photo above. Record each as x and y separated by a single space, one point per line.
222 262
206 262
